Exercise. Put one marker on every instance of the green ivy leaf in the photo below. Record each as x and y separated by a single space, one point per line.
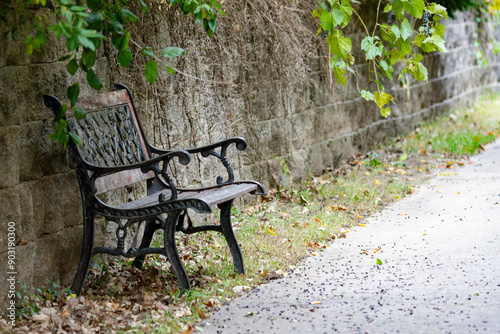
144 8
419 71
61 133
29 45
78 8
212 24
387 8
397 6
382 98
128 15
72 93
439 11
117 26
337 16
404 47
151 71
438 29
65 58
125 58
170 70
83 40
172 52
93 80
206 26
395 30
326 20
387 69
414 7
89 57
406 30
72 43
80 113
339 45
368 96
346 9
148 51
76 139
123 42
198 17
372 47
72 66
94 5
385 112
433 43
379 262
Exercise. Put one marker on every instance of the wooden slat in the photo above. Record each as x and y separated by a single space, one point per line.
100 101
121 179
211 196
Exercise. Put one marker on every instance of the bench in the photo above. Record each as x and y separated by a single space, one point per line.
116 154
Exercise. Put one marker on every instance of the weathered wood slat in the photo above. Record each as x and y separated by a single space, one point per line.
211 196
101 101
121 179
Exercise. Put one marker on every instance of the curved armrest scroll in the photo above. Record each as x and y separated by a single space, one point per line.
210 150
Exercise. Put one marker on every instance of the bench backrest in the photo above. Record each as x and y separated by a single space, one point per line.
112 136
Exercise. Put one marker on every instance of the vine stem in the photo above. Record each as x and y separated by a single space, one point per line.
361 20
181 72
376 22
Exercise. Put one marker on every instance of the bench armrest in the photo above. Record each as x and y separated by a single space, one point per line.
210 150
147 166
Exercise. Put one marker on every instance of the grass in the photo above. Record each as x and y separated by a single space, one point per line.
279 230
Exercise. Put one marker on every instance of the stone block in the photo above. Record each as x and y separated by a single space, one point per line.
52 157
70 199
4 286
29 151
70 249
9 168
11 212
32 211
47 198
26 259
46 259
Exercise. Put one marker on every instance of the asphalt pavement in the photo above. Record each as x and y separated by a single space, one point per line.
440 271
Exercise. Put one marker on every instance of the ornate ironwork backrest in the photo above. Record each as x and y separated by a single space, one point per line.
111 133
112 136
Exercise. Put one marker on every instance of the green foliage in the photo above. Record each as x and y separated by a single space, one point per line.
85 26
453 6
386 45
29 299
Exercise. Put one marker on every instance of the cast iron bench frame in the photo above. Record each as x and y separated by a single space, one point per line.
117 154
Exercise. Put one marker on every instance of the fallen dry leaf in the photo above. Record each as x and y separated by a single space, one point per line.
336 208
41 318
239 289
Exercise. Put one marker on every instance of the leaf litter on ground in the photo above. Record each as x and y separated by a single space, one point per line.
275 232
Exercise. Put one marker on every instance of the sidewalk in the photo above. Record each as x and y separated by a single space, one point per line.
440 250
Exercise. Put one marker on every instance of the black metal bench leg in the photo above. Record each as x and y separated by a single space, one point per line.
149 230
227 230
86 255
171 250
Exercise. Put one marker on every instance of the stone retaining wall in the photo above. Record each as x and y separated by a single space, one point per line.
263 76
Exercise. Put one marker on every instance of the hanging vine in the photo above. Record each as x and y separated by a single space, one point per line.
84 26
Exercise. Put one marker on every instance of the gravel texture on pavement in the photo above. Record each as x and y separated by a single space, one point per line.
440 271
